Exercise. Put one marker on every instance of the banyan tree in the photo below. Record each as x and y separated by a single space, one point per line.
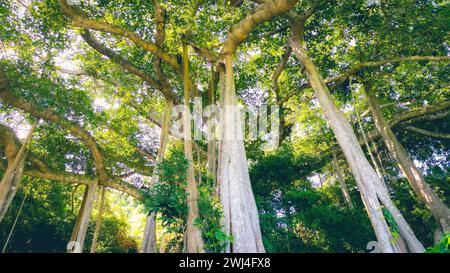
156 100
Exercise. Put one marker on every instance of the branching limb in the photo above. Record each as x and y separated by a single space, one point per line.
49 115
427 132
80 19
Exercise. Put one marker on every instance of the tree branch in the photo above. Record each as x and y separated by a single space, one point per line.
18 102
276 75
125 64
9 138
267 10
401 120
427 133
80 19
361 66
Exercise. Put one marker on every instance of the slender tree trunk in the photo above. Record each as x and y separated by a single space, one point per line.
11 185
15 223
79 234
220 142
438 234
193 233
340 178
212 142
422 189
73 238
366 141
99 221
365 176
377 153
149 237
149 240
399 242
241 218
13 174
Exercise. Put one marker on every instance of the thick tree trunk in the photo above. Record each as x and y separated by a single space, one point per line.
13 174
76 244
194 240
99 221
241 218
149 237
422 189
340 178
365 176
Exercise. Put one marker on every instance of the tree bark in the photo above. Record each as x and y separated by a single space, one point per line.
399 242
364 137
73 238
241 218
422 189
79 234
194 240
427 133
13 174
365 176
212 141
99 221
342 185
149 237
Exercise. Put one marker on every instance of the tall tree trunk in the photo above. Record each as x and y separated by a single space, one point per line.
221 88
73 238
340 178
149 237
422 189
13 174
212 142
99 221
14 223
193 233
399 242
377 153
241 218
76 244
365 176
366 141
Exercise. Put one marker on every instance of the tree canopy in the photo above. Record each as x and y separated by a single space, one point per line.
359 91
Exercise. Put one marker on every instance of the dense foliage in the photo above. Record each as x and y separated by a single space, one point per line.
98 75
